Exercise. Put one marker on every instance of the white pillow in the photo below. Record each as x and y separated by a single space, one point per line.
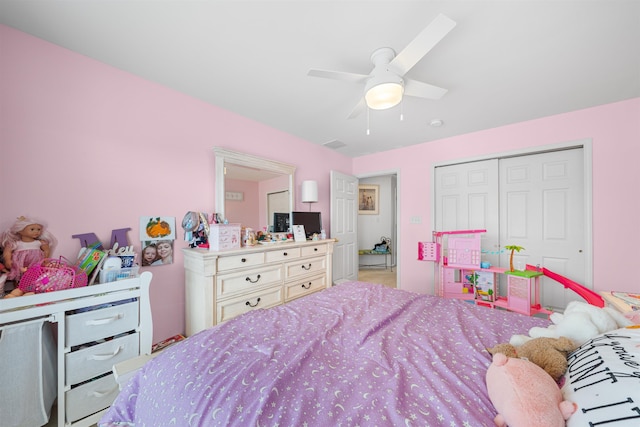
603 379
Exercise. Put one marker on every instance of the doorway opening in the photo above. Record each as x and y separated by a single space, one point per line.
377 229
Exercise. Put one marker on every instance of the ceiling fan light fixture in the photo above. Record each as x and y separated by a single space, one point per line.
385 84
384 95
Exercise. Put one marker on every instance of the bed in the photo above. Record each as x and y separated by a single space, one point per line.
353 355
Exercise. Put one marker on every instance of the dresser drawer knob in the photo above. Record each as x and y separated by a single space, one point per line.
243 260
248 279
253 305
315 249
285 254
306 286
306 268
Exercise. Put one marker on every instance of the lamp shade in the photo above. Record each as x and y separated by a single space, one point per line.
383 96
309 191
384 90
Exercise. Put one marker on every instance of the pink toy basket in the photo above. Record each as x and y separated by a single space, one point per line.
52 275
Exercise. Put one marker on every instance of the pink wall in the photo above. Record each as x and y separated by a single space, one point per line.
102 147
615 133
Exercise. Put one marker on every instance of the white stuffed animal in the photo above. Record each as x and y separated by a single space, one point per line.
580 322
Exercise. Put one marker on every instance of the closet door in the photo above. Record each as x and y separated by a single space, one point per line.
542 210
535 201
467 199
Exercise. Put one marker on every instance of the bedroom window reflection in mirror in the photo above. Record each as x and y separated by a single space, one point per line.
266 187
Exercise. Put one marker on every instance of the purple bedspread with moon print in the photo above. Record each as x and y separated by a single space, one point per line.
357 354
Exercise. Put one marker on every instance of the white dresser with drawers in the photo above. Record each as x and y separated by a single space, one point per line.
96 327
220 285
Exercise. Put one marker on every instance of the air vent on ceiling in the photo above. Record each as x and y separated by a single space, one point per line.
334 144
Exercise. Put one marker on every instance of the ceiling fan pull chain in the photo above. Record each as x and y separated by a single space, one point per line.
368 130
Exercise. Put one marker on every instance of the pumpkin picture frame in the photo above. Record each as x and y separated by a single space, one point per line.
157 236
157 227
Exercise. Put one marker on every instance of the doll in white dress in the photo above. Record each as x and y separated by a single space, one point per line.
24 244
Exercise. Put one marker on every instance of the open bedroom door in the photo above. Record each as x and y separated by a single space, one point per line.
344 226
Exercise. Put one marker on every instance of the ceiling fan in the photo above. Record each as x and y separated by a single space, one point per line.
385 85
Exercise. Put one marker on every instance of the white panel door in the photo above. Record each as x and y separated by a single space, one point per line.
542 210
535 201
344 226
466 199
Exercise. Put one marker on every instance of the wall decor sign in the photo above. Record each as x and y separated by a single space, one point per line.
234 195
368 199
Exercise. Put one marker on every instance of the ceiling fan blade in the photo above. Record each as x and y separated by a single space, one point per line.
422 44
423 90
358 109
339 75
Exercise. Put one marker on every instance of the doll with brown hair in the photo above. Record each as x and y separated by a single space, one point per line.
24 244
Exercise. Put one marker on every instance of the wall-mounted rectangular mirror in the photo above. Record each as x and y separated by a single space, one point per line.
250 189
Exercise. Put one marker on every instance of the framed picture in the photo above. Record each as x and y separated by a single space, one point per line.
299 234
368 199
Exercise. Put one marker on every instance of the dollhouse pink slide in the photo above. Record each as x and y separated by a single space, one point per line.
590 296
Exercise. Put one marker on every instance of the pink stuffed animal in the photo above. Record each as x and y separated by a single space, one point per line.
524 395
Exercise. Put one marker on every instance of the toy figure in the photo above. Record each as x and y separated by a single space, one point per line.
579 322
524 396
548 353
25 243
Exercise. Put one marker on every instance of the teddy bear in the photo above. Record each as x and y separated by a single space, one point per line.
580 322
524 396
548 353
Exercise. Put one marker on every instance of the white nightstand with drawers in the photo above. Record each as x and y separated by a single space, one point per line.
96 327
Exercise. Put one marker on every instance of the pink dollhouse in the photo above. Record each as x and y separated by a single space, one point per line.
459 273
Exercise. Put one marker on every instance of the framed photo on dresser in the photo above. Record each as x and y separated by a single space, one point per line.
298 233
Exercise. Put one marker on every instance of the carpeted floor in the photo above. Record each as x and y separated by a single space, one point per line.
378 275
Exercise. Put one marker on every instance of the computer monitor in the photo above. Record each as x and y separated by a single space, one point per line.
312 222
280 222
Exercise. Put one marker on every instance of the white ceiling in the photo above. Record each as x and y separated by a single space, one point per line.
504 62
